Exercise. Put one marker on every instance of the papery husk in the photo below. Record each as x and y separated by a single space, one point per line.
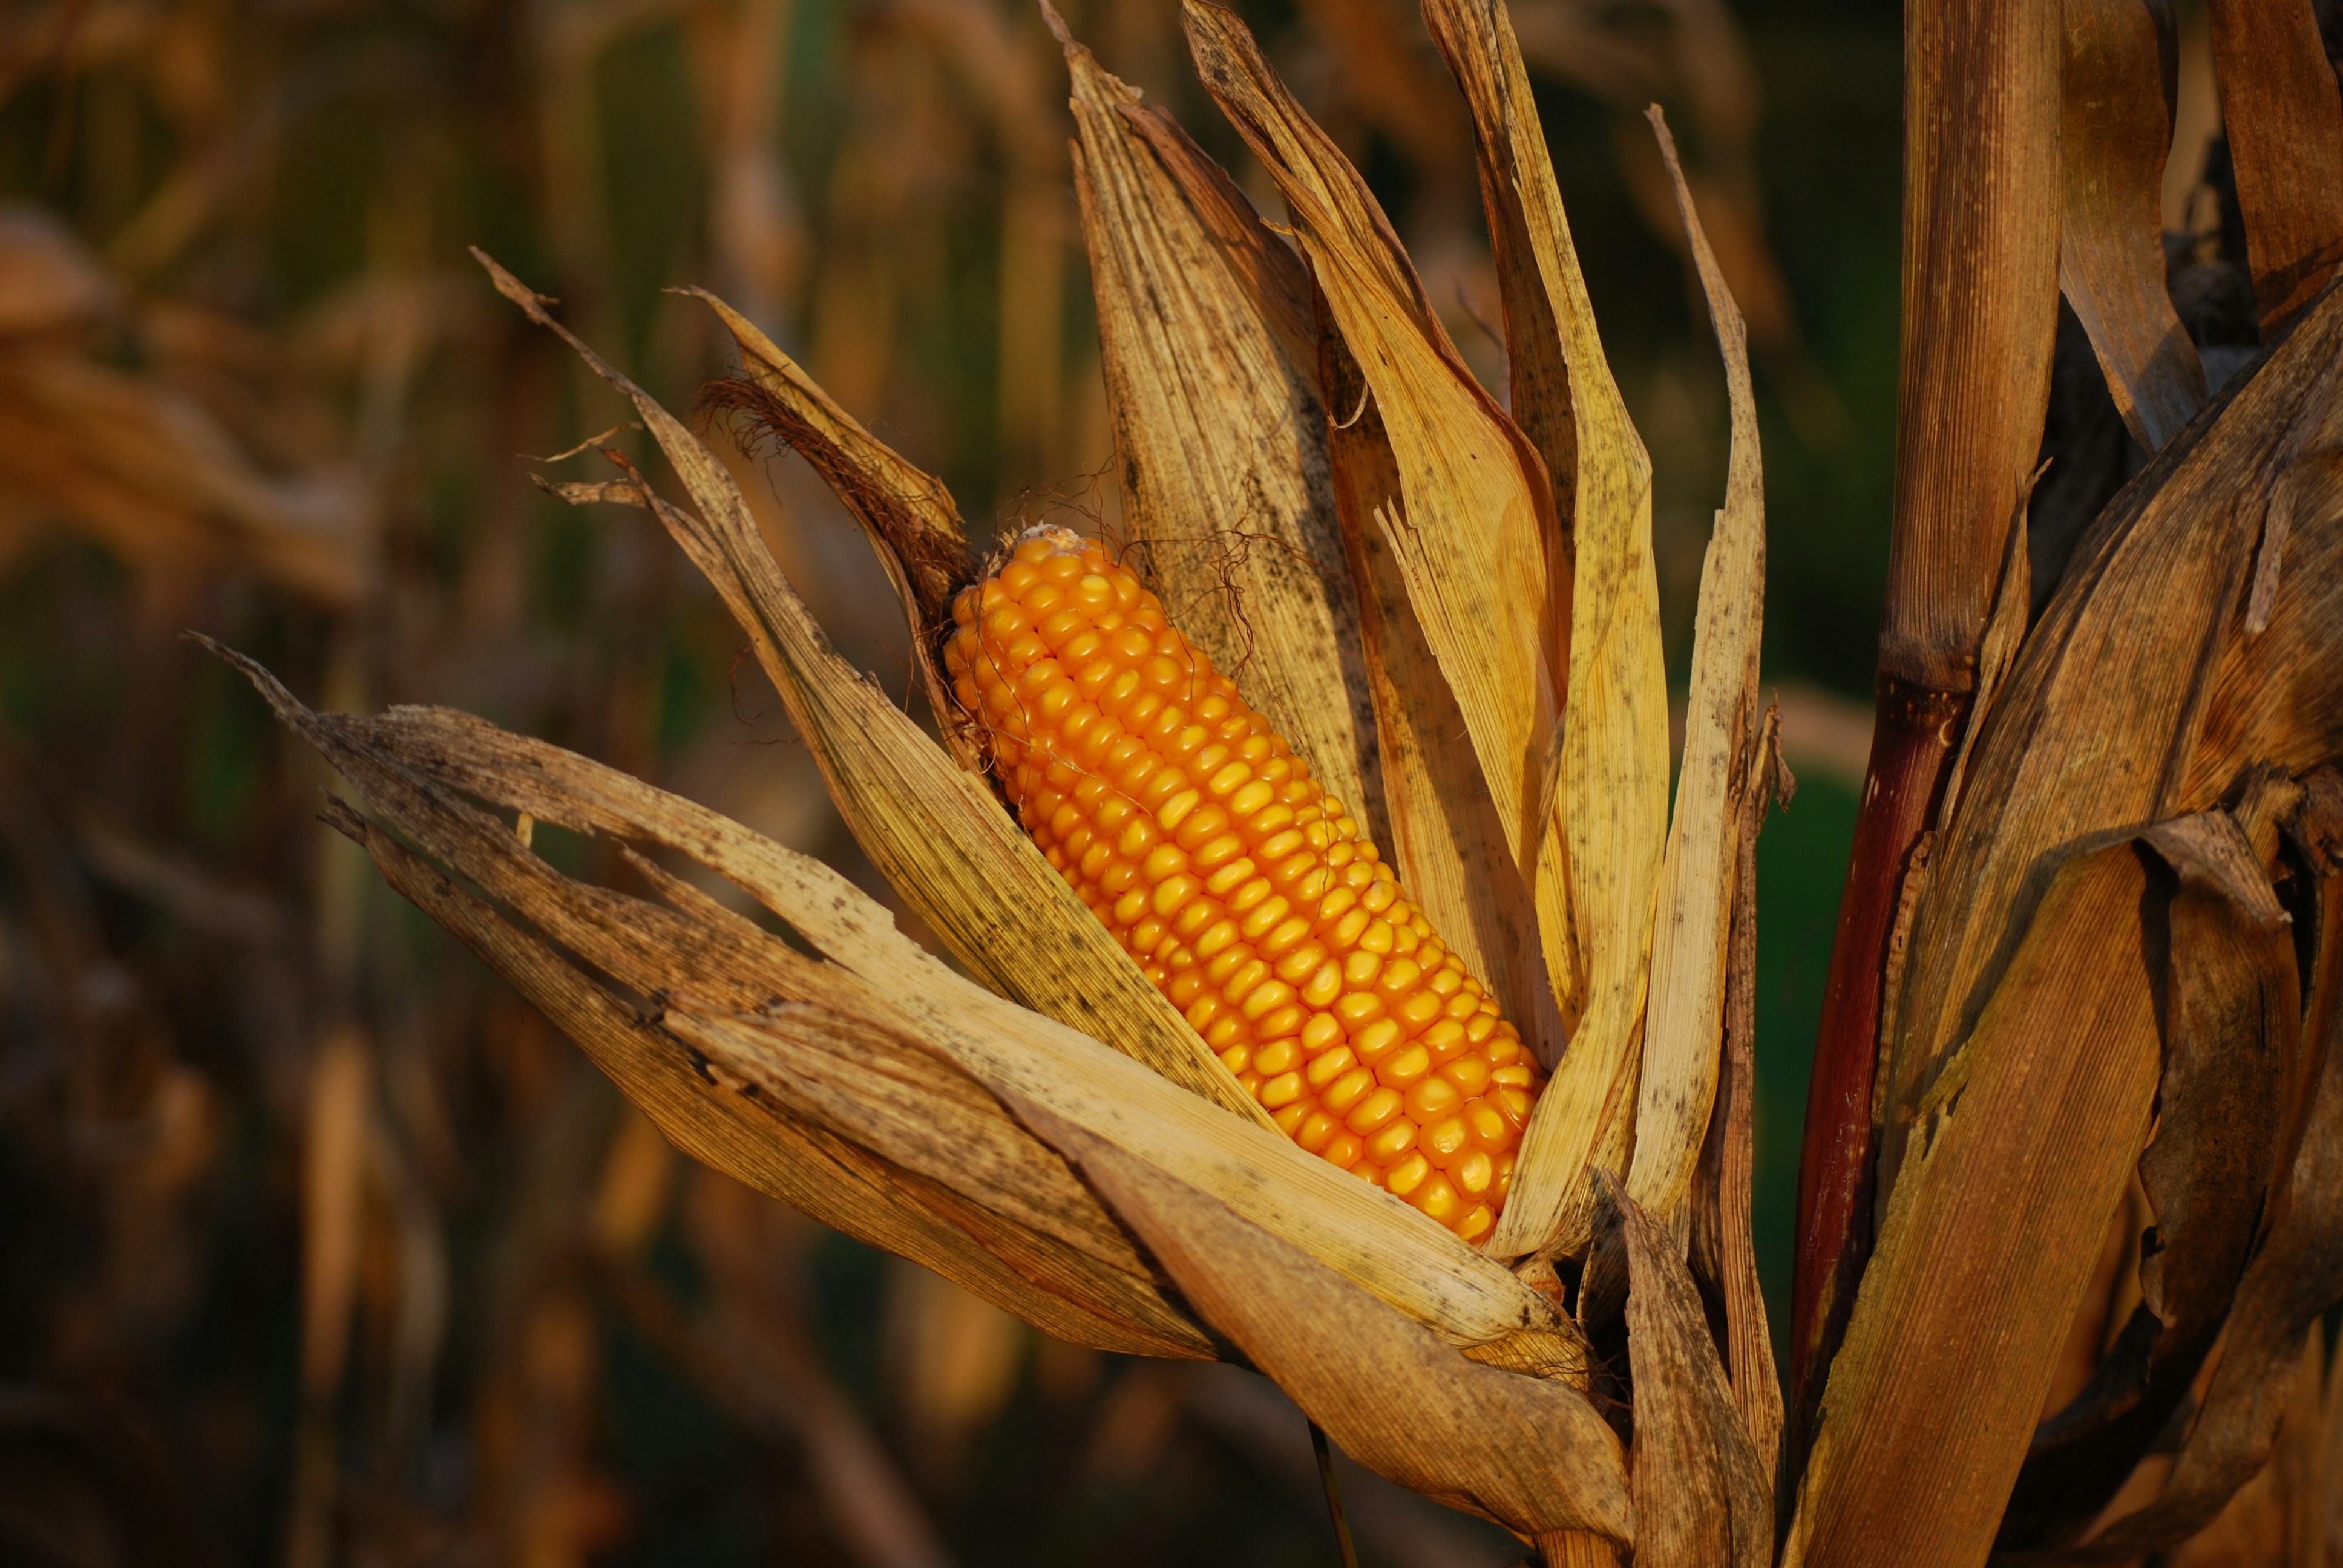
904 1078
1723 1243
1606 773
1531 1454
2113 140
1473 531
1446 841
2282 110
1703 1497
1210 356
909 516
934 829
1684 1018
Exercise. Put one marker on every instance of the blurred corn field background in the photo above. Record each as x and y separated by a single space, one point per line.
317 1245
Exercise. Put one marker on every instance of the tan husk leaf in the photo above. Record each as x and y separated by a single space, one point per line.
1211 366
1608 776
1684 1018
1475 532
1446 841
2282 110
1724 1246
1703 1498
934 829
1532 1454
883 1049
1993 1230
2113 137
909 516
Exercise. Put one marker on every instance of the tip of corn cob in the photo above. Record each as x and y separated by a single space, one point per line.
1247 894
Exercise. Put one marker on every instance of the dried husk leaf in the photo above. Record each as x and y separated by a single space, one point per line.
1702 1496
1532 1456
1608 777
1724 1246
1685 1018
2113 137
1211 363
909 516
883 1051
1445 840
2282 109
936 832
2295 1275
2232 1021
1998 1218
1097 1292
2138 697
1474 534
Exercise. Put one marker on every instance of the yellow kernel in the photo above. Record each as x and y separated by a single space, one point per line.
1436 1198
1174 891
1237 1058
1359 1008
1318 1129
1375 1040
1431 1098
1403 1068
1289 1119
1473 1173
1323 1031
1360 970
1268 994
1263 916
1470 1074
1323 987
1477 1222
1370 1114
1249 799
1407 1175
1328 1065
1353 1087
1283 1089
1396 1139
1281 1056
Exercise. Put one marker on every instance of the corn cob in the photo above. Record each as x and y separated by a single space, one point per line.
1247 894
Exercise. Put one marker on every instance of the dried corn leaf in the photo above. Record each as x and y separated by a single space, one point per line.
1703 1497
1724 1246
933 829
1530 1455
2138 696
1211 364
886 1052
1608 778
909 516
2282 108
1685 1018
1445 838
2012 1180
2232 1021
2114 136
2296 1276
1474 535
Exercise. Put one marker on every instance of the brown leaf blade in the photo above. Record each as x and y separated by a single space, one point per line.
2282 108
1990 1239
2113 137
